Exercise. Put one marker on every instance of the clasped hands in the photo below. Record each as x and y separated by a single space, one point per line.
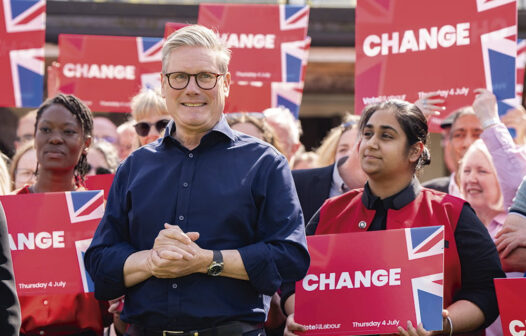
175 254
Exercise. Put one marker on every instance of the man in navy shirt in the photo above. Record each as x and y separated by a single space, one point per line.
203 225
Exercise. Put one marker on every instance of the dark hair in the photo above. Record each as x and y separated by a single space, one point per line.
84 117
410 118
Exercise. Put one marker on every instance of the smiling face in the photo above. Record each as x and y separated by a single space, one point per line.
383 149
59 139
478 181
193 109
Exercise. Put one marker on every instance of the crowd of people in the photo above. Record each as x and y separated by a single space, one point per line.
204 230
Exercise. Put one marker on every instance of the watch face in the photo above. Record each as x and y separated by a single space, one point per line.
215 269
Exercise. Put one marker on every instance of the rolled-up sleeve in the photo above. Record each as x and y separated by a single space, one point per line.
281 254
110 248
480 264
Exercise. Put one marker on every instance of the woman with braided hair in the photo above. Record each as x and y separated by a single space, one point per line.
63 132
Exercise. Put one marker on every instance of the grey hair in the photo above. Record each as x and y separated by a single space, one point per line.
197 36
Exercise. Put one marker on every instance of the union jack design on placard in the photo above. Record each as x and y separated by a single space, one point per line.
427 295
293 17
85 205
149 49
22 54
287 95
294 57
87 282
483 5
423 242
27 72
499 50
24 15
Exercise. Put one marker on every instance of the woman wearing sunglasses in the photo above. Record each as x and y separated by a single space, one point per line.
150 115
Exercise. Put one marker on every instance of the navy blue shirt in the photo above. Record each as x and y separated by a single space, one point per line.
233 189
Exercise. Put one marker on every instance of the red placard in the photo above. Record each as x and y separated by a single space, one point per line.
394 275
49 241
407 48
100 182
22 52
107 71
258 96
510 295
170 27
268 42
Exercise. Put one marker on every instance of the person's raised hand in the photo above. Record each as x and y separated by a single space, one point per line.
485 107
430 105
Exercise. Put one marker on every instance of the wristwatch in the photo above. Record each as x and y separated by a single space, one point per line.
217 265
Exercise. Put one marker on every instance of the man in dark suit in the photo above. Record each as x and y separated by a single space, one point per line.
9 306
313 187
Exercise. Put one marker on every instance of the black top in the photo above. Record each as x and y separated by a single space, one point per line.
9 306
479 259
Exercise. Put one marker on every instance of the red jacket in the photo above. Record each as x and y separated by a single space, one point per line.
347 213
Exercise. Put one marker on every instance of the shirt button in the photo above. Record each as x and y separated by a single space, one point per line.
181 217
45 302
191 155
174 286
42 332
185 185
362 225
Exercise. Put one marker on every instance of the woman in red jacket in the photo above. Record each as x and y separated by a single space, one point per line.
62 137
391 150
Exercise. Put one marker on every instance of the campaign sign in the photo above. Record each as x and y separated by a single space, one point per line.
258 96
107 71
100 182
372 282
22 52
405 49
170 27
510 295
268 42
48 242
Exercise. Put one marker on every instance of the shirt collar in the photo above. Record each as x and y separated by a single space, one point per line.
397 201
221 127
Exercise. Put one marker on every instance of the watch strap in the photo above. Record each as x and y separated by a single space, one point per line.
218 257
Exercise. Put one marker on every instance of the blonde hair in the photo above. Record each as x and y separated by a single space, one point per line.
5 182
478 145
26 147
148 103
197 36
327 150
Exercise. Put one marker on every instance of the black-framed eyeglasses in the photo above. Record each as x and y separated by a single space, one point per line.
180 80
143 128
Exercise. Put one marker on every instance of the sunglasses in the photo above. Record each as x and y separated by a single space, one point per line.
143 128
